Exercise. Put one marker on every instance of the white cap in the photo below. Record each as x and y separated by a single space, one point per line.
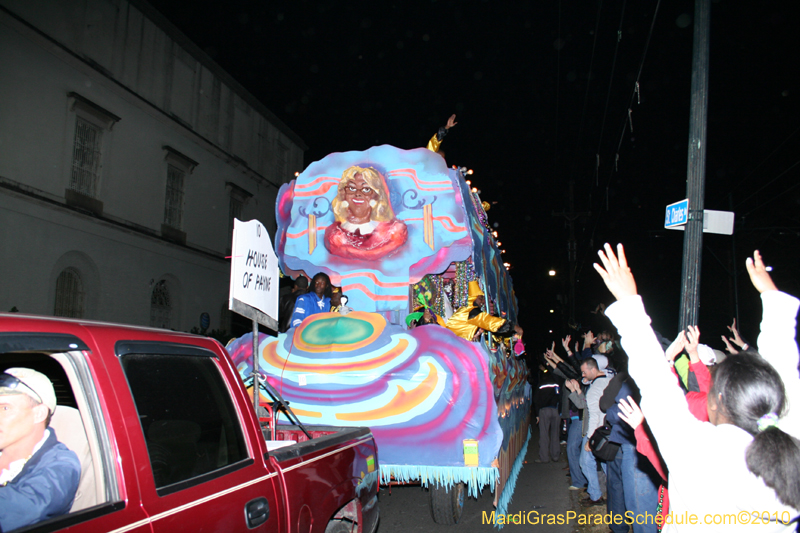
706 354
35 382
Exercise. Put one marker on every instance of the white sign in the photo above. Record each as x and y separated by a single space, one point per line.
720 222
254 273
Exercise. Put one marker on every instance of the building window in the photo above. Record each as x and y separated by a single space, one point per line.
93 126
161 306
69 294
86 158
235 209
178 168
238 200
173 206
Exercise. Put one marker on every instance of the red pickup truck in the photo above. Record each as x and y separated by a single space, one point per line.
168 439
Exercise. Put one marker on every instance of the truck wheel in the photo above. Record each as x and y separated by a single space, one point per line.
341 526
447 505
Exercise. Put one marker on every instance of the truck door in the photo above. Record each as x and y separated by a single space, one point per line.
203 474
108 496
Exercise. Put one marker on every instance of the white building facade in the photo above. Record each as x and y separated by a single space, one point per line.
125 153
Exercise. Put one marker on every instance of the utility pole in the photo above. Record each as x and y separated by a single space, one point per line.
696 167
572 245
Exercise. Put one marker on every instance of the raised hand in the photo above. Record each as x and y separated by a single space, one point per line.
451 122
692 342
588 339
565 342
737 339
728 346
630 412
615 272
551 354
676 348
761 279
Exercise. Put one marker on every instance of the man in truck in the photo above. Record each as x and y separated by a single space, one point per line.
38 475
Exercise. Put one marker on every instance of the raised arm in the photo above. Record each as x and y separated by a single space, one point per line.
436 141
776 342
632 415
737 339
663 402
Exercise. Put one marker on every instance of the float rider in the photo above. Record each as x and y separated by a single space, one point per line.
467 320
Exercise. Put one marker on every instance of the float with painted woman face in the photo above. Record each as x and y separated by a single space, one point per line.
365 226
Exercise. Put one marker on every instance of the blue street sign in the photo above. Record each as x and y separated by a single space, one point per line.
677 214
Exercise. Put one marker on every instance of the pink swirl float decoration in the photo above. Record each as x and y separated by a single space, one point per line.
422 392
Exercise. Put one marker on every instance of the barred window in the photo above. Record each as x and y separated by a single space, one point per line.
238 199
161 306
69 294
236 207
86 158
173 206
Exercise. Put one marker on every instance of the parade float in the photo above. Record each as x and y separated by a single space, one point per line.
446 413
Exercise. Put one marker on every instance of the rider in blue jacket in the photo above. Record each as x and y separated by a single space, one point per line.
317 300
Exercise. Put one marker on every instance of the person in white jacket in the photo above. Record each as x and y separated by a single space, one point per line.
743 467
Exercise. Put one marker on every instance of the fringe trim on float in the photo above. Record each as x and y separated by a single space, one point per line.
511 482
475 477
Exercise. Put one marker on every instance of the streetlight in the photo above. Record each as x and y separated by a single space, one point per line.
552 273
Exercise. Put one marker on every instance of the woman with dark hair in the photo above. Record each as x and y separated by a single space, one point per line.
743 466
316 300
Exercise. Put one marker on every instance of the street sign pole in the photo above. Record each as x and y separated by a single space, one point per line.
695 173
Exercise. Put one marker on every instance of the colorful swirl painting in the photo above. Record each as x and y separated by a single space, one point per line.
422 392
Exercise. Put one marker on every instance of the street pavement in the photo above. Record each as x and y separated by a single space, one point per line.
541 488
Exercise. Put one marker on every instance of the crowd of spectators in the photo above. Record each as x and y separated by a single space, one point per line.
671 435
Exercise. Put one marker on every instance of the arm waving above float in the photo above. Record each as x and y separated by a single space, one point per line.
436 141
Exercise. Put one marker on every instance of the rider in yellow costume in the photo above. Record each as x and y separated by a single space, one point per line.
436 141
468 319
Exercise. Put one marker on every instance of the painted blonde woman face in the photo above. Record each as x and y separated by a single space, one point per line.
360 198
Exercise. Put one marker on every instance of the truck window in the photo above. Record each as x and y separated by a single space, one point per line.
187 416
74 423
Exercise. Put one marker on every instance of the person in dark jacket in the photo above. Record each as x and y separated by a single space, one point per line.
317 300
632 480
547 403
288 301
39 476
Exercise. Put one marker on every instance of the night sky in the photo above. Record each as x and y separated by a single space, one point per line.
540 89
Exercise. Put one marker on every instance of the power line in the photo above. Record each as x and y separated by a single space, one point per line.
767 184
634 93
611 77
588 81
559 45
752 172
636 87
